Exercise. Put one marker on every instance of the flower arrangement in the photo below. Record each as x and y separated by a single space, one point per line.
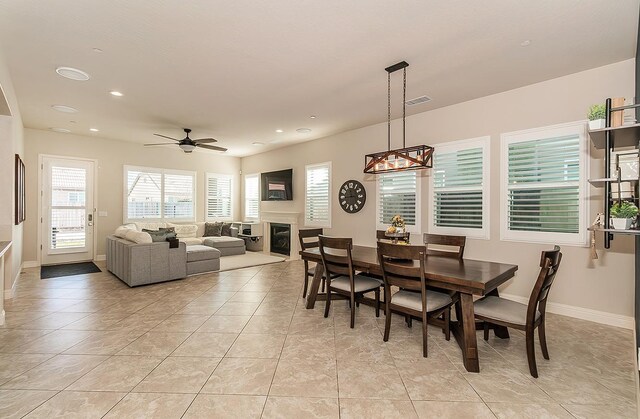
397 221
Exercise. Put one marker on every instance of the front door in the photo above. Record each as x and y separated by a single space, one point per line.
67 210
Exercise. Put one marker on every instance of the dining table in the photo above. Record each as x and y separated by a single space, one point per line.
466 277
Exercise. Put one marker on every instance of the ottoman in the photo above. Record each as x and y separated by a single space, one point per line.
202 259
226 245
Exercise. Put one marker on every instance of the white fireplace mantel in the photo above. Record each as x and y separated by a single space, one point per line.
281 217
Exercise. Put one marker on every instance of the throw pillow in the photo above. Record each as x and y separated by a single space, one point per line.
156 235
226 229
139 237
184 231
212 229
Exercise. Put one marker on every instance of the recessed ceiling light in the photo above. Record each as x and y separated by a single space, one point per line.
72 73
64 108
303 130
63 130
94 129
257 143
279 131
98 50
313 117
116 93
525 43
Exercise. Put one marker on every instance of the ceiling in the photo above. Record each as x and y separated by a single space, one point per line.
239 70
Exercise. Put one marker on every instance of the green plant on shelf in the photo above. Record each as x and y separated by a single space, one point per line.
596 112
624 209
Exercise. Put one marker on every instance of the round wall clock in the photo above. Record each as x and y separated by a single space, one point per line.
352 196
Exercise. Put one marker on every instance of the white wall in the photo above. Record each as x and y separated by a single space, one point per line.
112 156
605 285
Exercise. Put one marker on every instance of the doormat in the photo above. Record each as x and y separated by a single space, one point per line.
55 271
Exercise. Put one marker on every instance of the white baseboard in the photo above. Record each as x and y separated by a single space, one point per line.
30 264
602 317
99 258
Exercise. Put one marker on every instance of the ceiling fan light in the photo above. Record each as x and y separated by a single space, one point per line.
187 148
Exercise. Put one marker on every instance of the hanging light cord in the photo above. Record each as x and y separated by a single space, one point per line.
404 104
388 111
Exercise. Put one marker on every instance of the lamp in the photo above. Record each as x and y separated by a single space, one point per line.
405 158
187 148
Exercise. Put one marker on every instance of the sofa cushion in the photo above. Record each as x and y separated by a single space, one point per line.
161 235
190 241
138 236
149 225
184 231
121 231
213 229
223 242
226 229
198 252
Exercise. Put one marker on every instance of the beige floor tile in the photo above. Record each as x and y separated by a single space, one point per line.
423 382
14 404
529 411
178 375
257 346
248 297
53 321
453 410
77 405
154 344
225 406
118 373
151 405
237 309
512 387
213 345
56 373
572 387
299 407
362 347
12 365
107 342
595 411
224 324
242 376
367 380
304 378
55 342
201 307
96 321
376 409
268 324
307 347
181 323
311 326
12 339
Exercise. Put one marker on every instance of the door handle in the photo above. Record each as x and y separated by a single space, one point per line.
90 220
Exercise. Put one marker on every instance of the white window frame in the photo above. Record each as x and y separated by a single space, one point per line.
206 195
247 217
450 147
321 223
162 172
571 239
416 229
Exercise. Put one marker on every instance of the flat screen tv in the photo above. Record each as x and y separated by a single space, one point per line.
277 186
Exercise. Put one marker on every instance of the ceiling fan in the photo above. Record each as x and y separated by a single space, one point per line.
188 145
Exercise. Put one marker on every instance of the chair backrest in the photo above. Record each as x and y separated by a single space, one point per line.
549 264
453 246
336 256
402 265
309 237
381 235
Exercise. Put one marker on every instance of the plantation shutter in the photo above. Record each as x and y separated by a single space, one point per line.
458 188
317 198
144 194
251 197
397 195
543 185
178 196
219 196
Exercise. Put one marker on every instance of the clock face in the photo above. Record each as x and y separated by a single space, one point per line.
352 196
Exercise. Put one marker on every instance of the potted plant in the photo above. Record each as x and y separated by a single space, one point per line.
596 115
622 215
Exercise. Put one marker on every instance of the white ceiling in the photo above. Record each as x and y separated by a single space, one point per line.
239 70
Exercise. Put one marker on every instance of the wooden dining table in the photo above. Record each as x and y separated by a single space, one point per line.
465 276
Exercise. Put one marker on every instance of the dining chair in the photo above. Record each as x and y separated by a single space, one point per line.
503 312
341 277
309 239
381 235
404 267
447 246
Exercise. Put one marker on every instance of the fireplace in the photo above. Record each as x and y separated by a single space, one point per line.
280 238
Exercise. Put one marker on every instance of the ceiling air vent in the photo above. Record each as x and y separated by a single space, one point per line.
418 101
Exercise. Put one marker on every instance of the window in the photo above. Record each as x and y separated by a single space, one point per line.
158 194
459 203
543 179
398 193
251 197
219 197
317 199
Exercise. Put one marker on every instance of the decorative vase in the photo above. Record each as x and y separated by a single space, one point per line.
621 223
400 230
596 124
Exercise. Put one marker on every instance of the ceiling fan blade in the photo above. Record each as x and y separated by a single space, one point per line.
164 136
205 140
211 147
146 145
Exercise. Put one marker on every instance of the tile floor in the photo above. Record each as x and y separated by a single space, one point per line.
241 344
